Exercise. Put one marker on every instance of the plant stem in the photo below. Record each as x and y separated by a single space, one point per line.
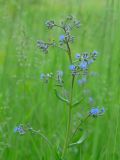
69 121
68 49
77 128
67 133
47 141
69 52
66 143
67 44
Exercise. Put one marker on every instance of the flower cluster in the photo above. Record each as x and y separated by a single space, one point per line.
46 76
19 129
66 38
97 112
80 66
70 23
58 77
50 24
78 72
67 26
44 46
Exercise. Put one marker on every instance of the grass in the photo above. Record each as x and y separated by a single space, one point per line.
24 99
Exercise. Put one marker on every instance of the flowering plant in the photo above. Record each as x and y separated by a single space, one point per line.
78 68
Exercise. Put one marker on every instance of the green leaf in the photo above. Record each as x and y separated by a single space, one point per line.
77 102
81 140
60 97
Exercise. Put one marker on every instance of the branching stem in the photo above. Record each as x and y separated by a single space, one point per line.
78 127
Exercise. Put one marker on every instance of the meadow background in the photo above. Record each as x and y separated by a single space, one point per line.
24 99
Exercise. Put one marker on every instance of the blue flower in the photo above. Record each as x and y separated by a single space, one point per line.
85 56
91 101
97 112
94 112
79 81
82 81
19 129
16 129
83 65
90 61
42 76
62 37
72 67
102 110
77 56
95 52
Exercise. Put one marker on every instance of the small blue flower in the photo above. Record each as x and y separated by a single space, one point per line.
95 52
62 37
19 129
42 76
16 129
94 111
91 101
72 67
102 110
83 65
90 61
79 81
85 56
77 56
82 81
97 112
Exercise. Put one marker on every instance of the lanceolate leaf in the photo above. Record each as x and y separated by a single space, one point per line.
81 140
77 102
60 97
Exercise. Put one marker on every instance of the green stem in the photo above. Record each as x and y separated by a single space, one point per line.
67 44
47 141
77 128
66 144
44 137
67 133
69 52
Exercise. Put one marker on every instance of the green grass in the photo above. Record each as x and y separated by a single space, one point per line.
24 99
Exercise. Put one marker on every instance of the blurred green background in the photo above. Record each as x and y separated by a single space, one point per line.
24 99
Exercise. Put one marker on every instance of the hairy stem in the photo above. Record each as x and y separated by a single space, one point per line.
68 49
67 44
66 144
69 52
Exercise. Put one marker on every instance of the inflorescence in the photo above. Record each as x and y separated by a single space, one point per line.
82 62
97 112
77 69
